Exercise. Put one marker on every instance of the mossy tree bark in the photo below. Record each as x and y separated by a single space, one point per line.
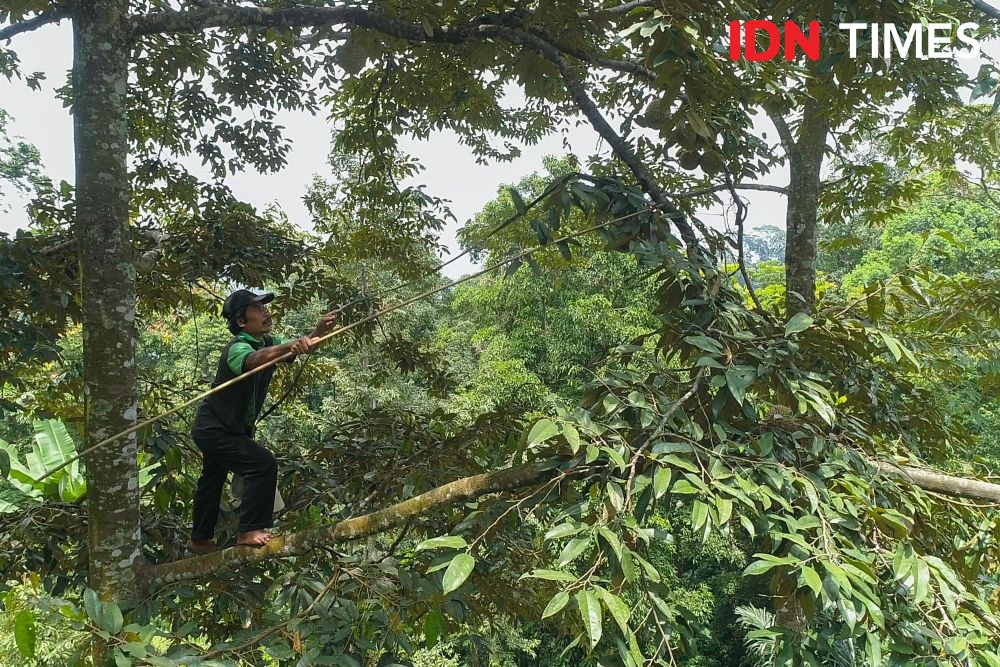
108 288
802 215
805 150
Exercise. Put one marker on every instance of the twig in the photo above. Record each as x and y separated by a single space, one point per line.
741 216
633 464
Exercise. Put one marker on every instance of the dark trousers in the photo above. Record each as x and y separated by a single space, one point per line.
224 453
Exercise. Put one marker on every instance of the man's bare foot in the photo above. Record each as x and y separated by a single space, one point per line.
254 538
202 547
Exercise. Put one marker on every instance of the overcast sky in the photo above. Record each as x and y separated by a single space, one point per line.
451 170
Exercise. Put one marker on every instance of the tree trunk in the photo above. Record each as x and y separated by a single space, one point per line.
801 217
108 288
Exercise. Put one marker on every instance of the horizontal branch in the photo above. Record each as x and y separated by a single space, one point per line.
708 189
297 544
301 17
42 19
928 480
619 10
197 20
212 16
146 259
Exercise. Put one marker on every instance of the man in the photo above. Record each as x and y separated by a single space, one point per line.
224 427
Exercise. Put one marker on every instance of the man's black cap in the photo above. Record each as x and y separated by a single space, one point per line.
242 298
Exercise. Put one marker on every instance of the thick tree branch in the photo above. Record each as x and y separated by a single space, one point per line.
207 18
145 261
784 132
42 19
708 189
624 66
348 530
299 17
467 488
620 9
958 487
620 147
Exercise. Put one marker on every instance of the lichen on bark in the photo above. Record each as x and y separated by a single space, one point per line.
108 289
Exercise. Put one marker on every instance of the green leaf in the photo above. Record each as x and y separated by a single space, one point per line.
25 635
572 437
111 618
698 125
21 477
543 429
612 540
724 506
634 651
135 649
561 531
93 605
618 609
648 568
54 442
427 26
555 212
459 570
615 494
445 541
738 380
615 457
699 515
550 575
683 464
51 448
628 565
799 322
922 581
433 624
590 612
759 567
874 649
984 86
766 443
572 550
556 604
661 480
812 579
518 201
685 488
704 343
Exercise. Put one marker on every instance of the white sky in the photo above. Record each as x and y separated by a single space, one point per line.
451 170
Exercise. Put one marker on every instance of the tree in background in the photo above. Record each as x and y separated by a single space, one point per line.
20 163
